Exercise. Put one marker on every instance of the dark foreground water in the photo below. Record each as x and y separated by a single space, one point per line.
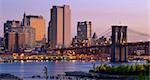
28 69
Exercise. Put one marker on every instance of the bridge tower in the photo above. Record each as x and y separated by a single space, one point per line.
119 50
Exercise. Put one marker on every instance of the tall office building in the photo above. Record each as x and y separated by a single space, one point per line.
11 25
1 44
1 41
12 33
59 30
11 41
37 22
17 37
14 41
84 30
34 30
21 40
29 37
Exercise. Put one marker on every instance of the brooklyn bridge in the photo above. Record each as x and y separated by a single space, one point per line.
119 49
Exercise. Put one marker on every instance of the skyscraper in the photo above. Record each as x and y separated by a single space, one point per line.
17 37
59 30
84 30
11 41
1 41
1 44
37 22
10 25
29 37
12 35
34 30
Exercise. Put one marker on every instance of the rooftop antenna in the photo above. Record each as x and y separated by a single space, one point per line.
24 14
120 23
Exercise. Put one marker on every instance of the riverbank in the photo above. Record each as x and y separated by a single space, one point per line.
22 61
119 72
7 76
27 70
34 70
134 71
11 61
89 75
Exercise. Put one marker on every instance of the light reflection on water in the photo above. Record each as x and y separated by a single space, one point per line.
36 68
28 69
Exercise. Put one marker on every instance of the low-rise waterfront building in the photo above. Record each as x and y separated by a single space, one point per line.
139 48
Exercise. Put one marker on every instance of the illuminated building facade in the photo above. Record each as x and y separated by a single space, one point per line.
34 30
84 30
36 22
59 30
13 36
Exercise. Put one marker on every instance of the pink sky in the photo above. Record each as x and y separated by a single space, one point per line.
102 13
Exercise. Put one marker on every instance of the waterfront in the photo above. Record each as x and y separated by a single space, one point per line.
26 70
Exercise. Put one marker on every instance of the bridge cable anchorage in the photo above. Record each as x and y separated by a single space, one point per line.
138 33
105 32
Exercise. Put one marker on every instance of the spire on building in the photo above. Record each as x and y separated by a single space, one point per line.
94 36
24 14
24 20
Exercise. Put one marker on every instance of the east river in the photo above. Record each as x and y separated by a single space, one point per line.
27 69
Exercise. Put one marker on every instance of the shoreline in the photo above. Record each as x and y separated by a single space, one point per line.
22 61
88 75
8 76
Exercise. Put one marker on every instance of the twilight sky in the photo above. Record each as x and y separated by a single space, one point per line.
102 13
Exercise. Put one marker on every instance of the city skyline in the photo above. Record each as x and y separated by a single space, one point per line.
103 13
74 39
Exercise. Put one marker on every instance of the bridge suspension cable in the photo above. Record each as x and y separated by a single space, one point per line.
139 33
105 33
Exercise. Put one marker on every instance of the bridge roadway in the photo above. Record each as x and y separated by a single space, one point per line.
131 44
85 47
